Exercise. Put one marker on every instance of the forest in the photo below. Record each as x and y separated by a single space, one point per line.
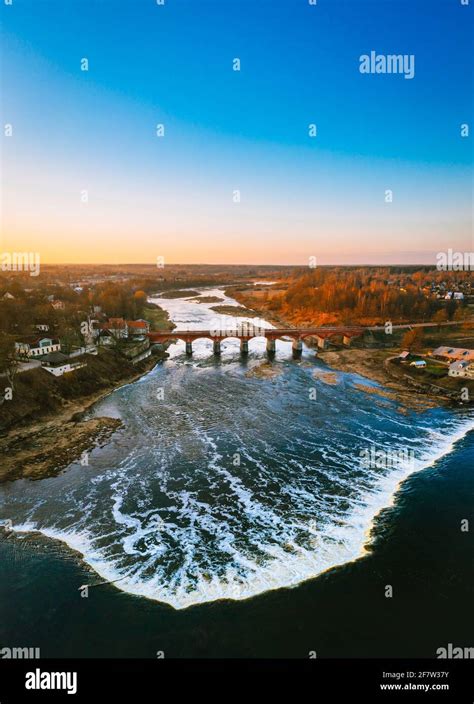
367 295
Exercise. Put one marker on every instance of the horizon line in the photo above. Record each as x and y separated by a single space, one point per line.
301 266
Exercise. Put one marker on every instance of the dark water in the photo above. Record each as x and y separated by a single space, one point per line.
419 549
240 507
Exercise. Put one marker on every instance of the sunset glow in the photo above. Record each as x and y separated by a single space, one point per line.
87 179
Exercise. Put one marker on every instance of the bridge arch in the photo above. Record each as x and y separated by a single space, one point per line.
249 332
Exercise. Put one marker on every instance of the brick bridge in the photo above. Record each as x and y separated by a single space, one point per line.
247 332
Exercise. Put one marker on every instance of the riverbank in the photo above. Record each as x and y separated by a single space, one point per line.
43 445
370 363
416 393
42 426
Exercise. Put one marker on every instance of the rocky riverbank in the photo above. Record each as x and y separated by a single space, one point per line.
49 442
53 447
371 364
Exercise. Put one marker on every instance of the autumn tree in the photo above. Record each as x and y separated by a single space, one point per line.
140 298
413 339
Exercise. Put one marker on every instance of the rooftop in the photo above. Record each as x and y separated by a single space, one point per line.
115 323
34 340
55 358
454 353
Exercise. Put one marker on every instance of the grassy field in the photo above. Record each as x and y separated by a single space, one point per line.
433 368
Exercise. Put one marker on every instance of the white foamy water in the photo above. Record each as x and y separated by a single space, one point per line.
188 314
233 485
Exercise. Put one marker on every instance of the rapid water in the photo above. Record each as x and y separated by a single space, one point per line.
225 484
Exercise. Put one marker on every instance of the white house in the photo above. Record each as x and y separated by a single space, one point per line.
455 295
461 368
37 346
418 363
57 363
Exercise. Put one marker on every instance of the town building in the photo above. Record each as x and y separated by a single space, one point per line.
418 363
138 327
116 327
455 295
120 329
57 363
37 346
453 354
460 368
104 337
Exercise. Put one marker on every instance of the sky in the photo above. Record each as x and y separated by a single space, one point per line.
236 177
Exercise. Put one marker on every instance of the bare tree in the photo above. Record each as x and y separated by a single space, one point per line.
8 359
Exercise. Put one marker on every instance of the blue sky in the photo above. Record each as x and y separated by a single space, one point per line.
227 130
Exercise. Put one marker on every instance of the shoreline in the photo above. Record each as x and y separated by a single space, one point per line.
46 447
375 364
369 363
